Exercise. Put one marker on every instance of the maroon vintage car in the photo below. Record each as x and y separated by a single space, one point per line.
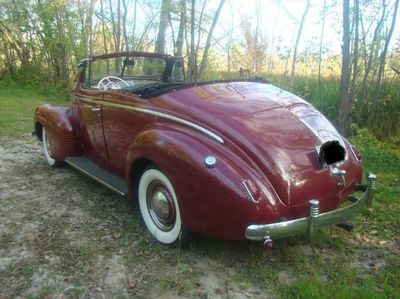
240 159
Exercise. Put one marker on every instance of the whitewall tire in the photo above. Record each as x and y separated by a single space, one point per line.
46 148
159 207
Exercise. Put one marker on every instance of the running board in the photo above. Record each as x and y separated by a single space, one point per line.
102 176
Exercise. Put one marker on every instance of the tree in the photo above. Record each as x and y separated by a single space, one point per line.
344 102
209 37
369 58
164 19
296 44
395 63
356 22
182 25
324 9
382 63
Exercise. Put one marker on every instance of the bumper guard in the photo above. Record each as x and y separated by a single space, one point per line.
315 220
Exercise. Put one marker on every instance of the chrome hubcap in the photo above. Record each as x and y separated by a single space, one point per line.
161 206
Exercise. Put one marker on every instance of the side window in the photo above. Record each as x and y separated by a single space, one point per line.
178 73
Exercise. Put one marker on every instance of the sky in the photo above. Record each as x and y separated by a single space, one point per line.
279 23
281 18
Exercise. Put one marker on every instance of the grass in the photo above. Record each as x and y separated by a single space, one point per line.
18 105
361 264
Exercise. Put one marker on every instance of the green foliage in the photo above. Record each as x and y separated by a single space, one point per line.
383 159
347 285
308 88
387 121
18 105
379 156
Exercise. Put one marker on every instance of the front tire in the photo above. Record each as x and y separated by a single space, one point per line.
159 207
46 148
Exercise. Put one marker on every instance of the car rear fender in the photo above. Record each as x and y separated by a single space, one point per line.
213 200
57 123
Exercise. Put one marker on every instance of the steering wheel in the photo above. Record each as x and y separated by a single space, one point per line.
108 82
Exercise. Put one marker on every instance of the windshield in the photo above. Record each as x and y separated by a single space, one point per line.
128 67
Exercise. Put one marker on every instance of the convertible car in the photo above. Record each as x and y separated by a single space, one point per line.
237 159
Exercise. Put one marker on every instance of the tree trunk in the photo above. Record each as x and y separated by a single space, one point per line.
104 34
124 16
62 49
382 63
114 30
369 64
164 16
209 37
134 25
297 43
273 43
355 51
229 45
256 39
192 69
395 69
320 56
182 25
344 104
199 29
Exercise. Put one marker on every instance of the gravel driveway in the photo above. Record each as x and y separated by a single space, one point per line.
65 236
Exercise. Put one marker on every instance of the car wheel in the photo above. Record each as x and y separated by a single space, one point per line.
47 152
159 208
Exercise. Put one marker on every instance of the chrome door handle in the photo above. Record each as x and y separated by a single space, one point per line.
95 109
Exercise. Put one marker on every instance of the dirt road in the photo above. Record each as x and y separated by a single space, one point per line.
63 235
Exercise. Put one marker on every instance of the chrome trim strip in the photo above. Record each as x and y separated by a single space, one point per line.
91 101
314 220
160 114
94 177
315 132
248 191
354 153
167 116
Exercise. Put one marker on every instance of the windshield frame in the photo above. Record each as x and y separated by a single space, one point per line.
85 65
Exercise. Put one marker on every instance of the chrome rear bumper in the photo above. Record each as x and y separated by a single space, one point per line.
315 220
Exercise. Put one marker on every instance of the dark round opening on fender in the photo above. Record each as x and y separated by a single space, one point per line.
331 152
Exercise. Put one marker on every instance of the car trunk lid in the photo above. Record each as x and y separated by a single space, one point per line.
278 131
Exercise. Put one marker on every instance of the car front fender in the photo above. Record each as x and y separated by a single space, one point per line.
56 121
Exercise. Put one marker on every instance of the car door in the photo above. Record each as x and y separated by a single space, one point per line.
90 105
121 126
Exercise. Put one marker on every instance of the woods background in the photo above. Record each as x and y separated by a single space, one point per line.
41 42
